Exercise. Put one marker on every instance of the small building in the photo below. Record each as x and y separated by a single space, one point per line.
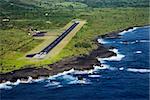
39 34
75 21
5 19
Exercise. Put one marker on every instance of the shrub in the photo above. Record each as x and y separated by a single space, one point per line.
82 45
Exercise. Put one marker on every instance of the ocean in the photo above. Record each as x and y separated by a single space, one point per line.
122 77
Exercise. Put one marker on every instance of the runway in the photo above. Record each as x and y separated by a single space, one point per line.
47 49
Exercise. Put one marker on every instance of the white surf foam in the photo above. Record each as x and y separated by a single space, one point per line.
130 30
113 58
138 70
121 68
54 83
116 58
30 80
134 28
128 42
61 74
135 41
103 66
83 72
102 41
101 60
68 78
77 81
39 80
16 83
143 41
64 75
138 52
96 68
147 26
122 33
94 76
9 85
5 85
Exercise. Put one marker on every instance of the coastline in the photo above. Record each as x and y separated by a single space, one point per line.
78 63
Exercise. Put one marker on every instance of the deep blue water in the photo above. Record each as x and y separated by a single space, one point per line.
125 77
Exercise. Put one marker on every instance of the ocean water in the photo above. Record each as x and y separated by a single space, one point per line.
122 77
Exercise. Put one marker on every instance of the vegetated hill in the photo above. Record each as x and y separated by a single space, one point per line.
43 10
58 10
19 16
17 7
46 4
26 8
12 5
54 4
114 3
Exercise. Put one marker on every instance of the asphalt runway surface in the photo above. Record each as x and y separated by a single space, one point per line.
47 49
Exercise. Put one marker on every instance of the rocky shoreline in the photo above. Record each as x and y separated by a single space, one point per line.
78 63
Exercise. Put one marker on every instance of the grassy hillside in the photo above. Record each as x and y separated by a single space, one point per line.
114 3
103 21
52 15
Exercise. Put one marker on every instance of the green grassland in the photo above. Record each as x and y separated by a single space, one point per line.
103 21
114 3
51 16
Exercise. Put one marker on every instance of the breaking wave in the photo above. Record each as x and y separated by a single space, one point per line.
113 58
58 80
10 85
121 68
94 76
123 42
138 52
77 81
130 30
64 78
138 70
53 84
102 41
144 41
133 42
61 74
121 33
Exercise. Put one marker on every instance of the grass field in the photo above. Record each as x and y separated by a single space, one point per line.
20 59
102 21
15 42
50 37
